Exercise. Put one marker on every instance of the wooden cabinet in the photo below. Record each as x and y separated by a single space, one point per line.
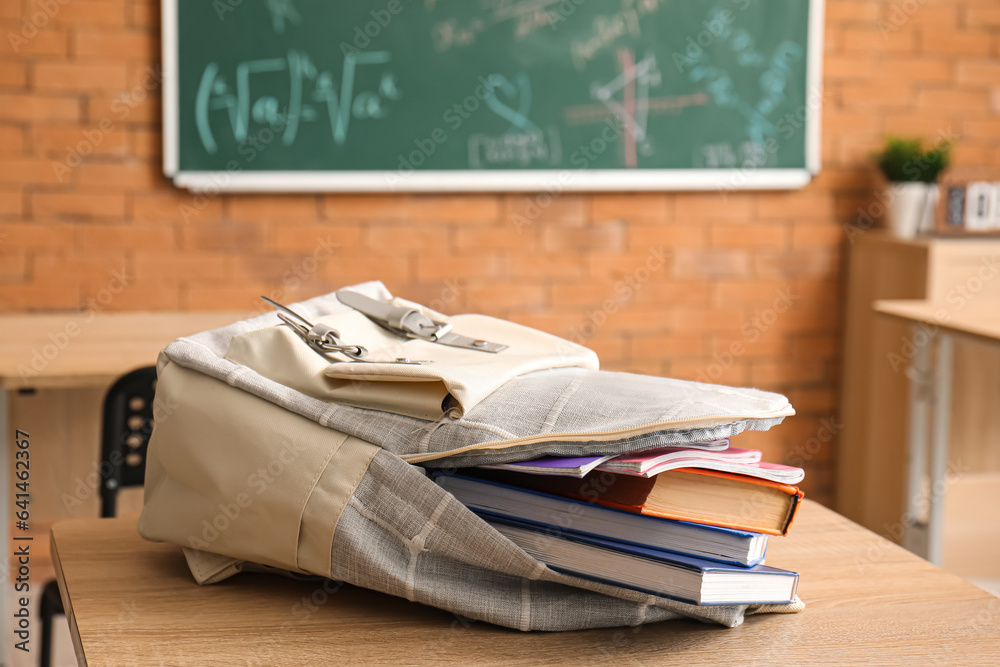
872 454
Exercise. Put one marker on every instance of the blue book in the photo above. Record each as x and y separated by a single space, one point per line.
655 571
725 545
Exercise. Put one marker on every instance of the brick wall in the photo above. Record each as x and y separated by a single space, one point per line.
743 290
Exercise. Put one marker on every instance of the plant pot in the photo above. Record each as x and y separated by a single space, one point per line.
910 209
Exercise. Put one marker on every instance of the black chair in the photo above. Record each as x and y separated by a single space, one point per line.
125 430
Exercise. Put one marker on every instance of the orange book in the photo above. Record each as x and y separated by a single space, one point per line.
685 494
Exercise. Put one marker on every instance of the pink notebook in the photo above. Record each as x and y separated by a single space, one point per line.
733 460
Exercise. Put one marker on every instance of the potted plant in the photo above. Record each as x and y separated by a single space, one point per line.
913 192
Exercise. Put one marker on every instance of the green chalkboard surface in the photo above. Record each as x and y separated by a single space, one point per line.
491 94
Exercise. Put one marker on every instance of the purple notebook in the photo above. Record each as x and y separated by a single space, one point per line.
580 465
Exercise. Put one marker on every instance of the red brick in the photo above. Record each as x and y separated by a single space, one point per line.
114 45
177 205
892 94
454 208
11 202
79 77
837 121
928 16
366 207
144 143
709 370
141 296
65 142
915 70
927 123
955 42
312 239
641 266
978 72
704 319
968 155
607 237
284 207
226 237
158 267
407 238
32 296
129 176
13 75
481 238
11 140
242 298
738 344
806 203
41 42
644 206
824 235
40 234
38 107
609 349
732 293
814 401
985 14
873 40
524 211
13 265
666 291
141 14
350 268
784 373
30 170
109 13
952 99
157 238
94 268
708 264
77 204
855 66
691 207
480 265
123 108
532 265
798 263
744 236
669 236
491 295
658 346
841 11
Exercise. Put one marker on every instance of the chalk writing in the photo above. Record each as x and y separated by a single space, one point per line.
312 95
720 84
518 93
724 155
520 149
606 30
526 16
281 11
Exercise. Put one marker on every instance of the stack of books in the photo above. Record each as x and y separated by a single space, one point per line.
688 523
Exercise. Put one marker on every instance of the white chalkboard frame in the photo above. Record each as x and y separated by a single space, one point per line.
494 180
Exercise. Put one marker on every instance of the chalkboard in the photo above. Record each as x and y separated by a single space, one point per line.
410 95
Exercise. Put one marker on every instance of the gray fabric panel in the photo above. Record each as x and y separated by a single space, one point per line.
403 535
520 408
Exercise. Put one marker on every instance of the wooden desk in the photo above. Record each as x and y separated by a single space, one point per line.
868 600
54 370
934 323
871 443
977 318
81 349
